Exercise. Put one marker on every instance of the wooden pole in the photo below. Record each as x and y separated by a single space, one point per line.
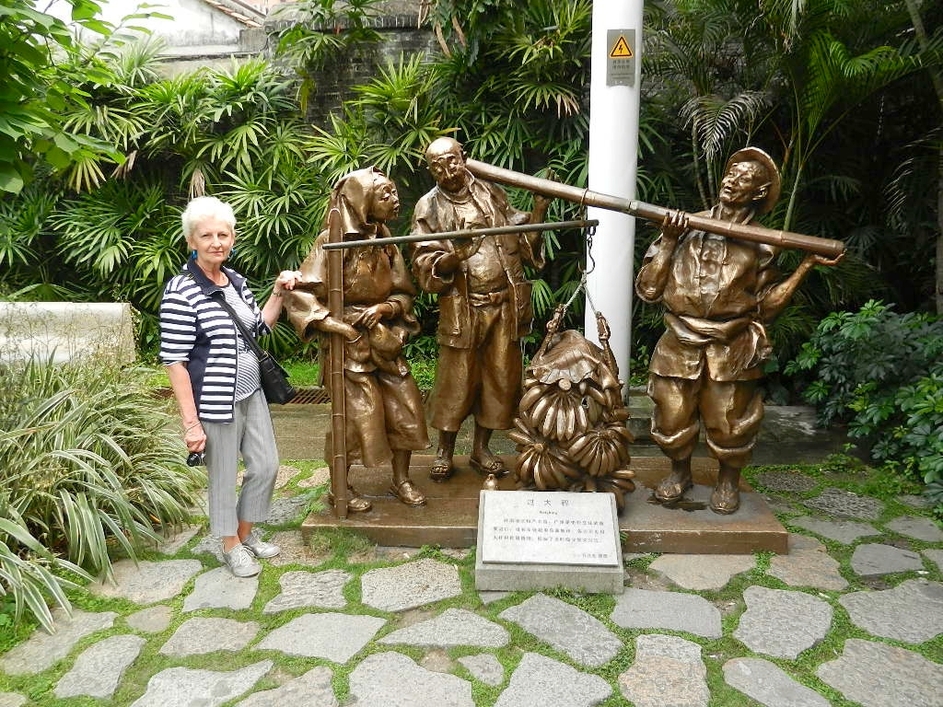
746 232
335 302
469 233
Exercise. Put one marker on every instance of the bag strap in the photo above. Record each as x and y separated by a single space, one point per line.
246 334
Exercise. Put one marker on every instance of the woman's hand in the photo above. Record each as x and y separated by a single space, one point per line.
286 280
195 437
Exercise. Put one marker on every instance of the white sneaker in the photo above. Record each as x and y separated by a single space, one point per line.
241 562
260 548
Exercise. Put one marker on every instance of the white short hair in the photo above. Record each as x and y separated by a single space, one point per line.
204 207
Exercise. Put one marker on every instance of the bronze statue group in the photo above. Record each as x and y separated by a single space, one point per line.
718 292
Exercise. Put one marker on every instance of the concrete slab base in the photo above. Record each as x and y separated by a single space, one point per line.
512 565
450 516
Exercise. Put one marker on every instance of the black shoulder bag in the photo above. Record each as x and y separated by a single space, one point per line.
275 383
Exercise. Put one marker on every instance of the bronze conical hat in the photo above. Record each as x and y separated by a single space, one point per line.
755 154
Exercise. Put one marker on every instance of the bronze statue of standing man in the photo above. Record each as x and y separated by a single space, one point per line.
719 294
484 303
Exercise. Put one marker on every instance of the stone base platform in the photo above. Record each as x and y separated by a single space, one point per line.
450 516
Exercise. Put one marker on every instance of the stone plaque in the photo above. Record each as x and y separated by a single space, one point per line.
523 527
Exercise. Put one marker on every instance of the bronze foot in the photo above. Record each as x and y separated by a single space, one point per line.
442 468
673 487
355 502
489 465
725 499
407 492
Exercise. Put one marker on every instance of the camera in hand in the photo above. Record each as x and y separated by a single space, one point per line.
195 459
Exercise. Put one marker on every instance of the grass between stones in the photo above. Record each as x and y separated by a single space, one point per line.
347 551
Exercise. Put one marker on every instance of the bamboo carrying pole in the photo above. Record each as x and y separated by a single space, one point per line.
470 233
335 303
757 234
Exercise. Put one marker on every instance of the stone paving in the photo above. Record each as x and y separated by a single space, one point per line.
853 615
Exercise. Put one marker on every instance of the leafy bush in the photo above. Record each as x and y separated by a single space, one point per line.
89 462
882 373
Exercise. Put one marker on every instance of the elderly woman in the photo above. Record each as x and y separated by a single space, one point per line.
385 420
215 379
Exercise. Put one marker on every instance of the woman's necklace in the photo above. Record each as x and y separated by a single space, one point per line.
218 278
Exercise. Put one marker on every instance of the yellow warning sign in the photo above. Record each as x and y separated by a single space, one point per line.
621 49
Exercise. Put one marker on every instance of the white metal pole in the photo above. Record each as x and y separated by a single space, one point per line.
613 155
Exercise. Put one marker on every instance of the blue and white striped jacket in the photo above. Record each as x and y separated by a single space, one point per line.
196 330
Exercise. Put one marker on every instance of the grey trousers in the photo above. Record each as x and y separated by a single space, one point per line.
251 434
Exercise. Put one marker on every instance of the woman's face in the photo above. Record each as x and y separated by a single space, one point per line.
385 201
212 240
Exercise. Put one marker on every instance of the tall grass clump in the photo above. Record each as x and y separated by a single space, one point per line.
90 464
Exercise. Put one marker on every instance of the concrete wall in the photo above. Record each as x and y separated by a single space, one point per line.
63 331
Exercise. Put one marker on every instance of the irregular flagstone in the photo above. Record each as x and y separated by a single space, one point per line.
873 559
567 628
484 667
183 687
668 670
769 684
842 531
410 585
147 582
911 611
172 544
337 637
305 589
153 619
489 597
700 572
43 650
539 681
914 501
878 675
219 589
782 623
808 564
916 527
935 556
208 635
285 510
393 680
313 689
12 699
455 627
672 611
210 545
98 670
792 481
319 476
837 502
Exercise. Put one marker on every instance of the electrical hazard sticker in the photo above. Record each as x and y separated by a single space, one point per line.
621 49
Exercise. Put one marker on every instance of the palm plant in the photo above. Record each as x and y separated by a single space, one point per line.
89 462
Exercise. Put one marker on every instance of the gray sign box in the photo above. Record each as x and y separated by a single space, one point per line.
541 540
621 54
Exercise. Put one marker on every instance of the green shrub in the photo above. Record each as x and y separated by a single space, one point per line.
882 374
90 462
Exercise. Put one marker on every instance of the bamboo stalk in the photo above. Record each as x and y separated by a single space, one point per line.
335 303
747 232
470 233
